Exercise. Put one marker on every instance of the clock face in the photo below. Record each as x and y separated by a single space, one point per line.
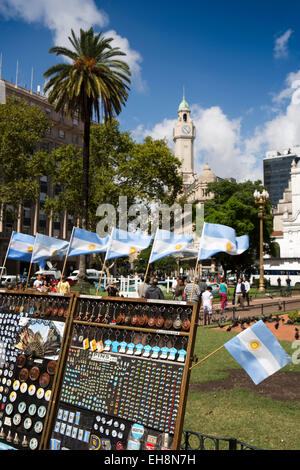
186 129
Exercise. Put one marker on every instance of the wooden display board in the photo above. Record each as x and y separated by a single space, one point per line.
126 369
90 372
33 332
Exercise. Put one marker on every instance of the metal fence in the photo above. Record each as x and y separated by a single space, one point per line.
196 441
255 310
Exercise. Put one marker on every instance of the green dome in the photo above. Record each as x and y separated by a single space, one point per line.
183 105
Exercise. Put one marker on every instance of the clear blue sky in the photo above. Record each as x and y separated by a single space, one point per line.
221 51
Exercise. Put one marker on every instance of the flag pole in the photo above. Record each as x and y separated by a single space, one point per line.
100 279
206 357
146 274
67 254
5 259
194 279
30 263
104 264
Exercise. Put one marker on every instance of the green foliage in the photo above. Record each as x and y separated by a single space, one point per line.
22 128
233 205
165 265
294 316
118 167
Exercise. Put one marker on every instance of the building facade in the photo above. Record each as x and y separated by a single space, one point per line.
277 172
32 219
286 233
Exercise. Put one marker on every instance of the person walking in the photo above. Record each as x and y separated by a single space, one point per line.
223 292
247 290
207 304
239 292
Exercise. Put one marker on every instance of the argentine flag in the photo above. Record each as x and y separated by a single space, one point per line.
166 243
124 243
257 350
84 242
218 238
20 246
47 247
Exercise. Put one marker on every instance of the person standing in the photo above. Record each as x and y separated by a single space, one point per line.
223 292
38 283
112 289
154 292
247 289
179 291
288 283
207 304
190 288
63 287
239 292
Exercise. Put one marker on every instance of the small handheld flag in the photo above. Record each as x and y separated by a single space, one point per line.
257 350
218 238
166 243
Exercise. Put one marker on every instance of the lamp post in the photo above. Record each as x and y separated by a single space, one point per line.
261 199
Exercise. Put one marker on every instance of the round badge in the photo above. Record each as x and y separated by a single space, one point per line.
23 375
9 409
17 419
33 443
27 423
21 361
21 407
12 396
32 409
44 380
42 411
31 389
51 367
23 387
38 427
47 395
34 373
40 393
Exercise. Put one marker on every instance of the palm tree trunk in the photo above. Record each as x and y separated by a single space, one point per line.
85 185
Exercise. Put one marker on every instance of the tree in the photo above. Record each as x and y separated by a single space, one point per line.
22 128
95 73
233 205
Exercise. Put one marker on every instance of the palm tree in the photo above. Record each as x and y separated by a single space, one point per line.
93 80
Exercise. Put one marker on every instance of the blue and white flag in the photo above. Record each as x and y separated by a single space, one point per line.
21 246
124 243
167 243
47 247
257 350
83 243
218 238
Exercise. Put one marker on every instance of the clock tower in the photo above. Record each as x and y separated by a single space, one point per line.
184 134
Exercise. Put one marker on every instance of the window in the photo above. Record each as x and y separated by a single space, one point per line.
61 133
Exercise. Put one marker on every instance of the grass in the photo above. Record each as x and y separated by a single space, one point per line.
241 413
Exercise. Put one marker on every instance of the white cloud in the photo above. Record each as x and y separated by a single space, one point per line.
60 16
220 141
280 48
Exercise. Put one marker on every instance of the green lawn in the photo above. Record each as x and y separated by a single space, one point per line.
241 413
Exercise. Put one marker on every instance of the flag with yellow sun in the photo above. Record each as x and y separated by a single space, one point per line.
123 243
257 350
20 246
167 243
83 242
218 238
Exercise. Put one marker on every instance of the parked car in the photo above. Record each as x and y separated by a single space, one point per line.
215 288
9 279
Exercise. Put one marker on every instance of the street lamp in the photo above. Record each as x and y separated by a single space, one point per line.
261 198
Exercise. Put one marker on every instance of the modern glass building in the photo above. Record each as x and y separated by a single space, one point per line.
277 172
